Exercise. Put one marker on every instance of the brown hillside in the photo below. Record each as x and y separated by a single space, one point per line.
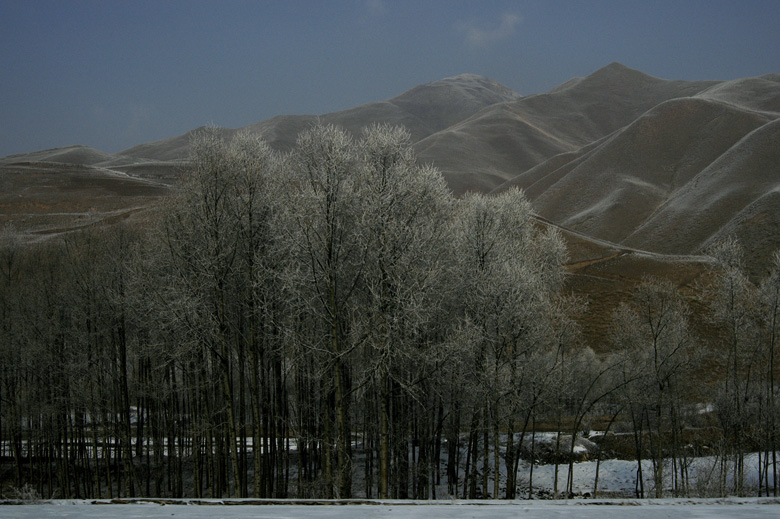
736 194
423 110
617 186
520 134
606 274
43 199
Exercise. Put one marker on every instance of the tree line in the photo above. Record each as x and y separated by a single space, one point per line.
331 322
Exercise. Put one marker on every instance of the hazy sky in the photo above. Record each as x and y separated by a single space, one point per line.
112 74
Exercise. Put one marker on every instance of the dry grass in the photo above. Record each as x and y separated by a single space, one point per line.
46 199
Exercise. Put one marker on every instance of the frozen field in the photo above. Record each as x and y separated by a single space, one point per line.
600 509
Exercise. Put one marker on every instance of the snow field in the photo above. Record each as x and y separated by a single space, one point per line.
602 509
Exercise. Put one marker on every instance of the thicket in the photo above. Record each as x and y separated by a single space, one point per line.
331 322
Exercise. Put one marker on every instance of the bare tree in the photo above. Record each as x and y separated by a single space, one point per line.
325 195
734 310
653 332
404 227
770 297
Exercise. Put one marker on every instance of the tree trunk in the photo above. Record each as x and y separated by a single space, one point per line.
384 438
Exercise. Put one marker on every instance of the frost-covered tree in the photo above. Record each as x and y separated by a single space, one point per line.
327 184
328 300
734 309
652 331
404 220
770 299
216 267
509 274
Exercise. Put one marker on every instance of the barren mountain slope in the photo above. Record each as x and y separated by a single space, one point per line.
757 93
487 149
613 190
423 110
738 193
539 178
171 149
65 155
503 141
43 198
685 173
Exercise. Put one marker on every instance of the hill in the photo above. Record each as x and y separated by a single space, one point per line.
423 110
641 174
678 177
506 140
82 155
44 199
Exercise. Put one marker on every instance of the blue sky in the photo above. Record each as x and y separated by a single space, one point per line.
112 74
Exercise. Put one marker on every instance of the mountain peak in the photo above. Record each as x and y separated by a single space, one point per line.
466 76
469 82
613 73
617 70
618 67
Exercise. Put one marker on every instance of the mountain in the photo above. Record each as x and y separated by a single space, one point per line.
684 173
658 165
503 141
53 191
619 155
423 110
625 179
639 174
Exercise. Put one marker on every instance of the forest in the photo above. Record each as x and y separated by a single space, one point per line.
331 322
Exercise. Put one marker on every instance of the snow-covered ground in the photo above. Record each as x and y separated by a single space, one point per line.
707 476
618 477
602 509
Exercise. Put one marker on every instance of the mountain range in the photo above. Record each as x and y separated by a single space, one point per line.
641 174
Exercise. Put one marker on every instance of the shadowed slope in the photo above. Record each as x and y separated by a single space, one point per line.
615 187
66 155
503 141
44 198
738 193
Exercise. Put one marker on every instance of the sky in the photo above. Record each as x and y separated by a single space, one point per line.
112 74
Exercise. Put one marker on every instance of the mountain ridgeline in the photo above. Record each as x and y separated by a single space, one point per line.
663 166
334 306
